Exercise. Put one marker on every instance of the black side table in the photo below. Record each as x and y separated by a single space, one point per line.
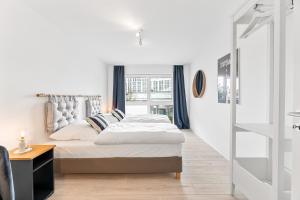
33 173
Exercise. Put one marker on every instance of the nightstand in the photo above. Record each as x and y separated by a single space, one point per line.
33 173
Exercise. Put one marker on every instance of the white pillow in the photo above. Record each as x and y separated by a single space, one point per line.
79 130
109 117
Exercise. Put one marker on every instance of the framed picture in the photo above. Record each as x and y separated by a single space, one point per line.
224 79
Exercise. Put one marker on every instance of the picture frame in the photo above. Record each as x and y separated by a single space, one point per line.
223 85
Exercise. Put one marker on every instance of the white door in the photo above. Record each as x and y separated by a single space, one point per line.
296 135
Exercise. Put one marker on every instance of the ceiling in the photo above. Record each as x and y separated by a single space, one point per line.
175 31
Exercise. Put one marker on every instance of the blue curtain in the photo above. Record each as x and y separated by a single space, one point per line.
181 118
119 88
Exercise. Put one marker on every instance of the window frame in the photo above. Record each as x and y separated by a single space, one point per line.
150 102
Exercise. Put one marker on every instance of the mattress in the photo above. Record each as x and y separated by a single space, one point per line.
87 149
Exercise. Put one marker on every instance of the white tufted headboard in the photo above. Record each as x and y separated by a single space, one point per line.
60 112
93 106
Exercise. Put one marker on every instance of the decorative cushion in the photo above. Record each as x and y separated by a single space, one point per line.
61 111
118 114
98 122
93 106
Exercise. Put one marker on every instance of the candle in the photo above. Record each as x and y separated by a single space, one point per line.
22 134
22 142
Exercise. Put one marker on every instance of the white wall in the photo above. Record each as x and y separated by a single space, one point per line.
36 57
296 48
147 69
210 120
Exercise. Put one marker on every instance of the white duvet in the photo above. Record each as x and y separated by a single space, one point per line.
140 133
146 118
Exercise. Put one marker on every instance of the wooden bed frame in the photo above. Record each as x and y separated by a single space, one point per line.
118 165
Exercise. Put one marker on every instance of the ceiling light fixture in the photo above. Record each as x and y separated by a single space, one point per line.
139 36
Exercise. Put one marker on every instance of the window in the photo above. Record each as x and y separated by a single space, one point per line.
161 89
136 89
149 94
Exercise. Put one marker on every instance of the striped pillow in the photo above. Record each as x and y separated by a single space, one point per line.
98 122
118 114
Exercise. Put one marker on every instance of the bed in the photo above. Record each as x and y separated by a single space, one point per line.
128 147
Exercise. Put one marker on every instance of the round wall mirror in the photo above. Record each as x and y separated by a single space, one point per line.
199 84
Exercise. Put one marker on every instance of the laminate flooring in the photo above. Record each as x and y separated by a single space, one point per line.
205 177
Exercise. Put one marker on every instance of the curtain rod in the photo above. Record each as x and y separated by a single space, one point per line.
80 95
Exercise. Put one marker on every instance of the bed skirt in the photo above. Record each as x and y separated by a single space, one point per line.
117 165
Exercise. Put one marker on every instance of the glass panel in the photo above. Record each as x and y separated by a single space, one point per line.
163 110
161 89
134 109
136 89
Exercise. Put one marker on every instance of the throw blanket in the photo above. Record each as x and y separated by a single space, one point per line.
140 133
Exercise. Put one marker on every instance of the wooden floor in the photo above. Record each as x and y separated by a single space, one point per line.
205 177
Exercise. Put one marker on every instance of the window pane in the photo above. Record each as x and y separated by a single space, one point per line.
136 89
134 109
161 89
163 110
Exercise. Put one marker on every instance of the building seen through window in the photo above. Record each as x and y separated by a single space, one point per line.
149 94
